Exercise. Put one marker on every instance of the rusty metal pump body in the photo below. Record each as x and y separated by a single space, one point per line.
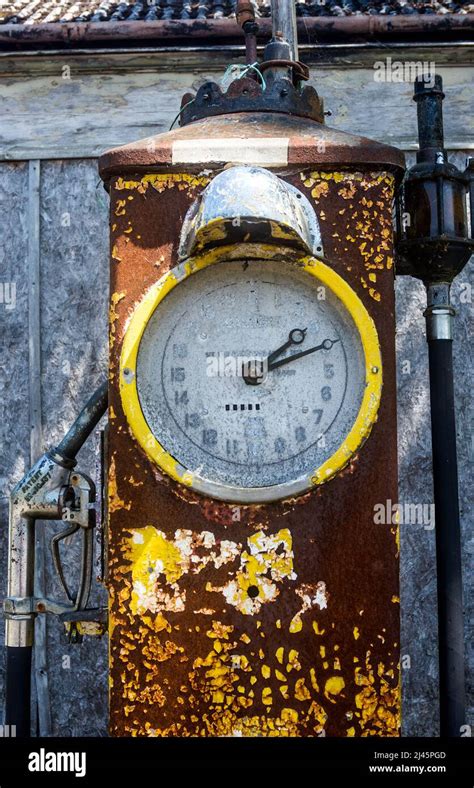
321 657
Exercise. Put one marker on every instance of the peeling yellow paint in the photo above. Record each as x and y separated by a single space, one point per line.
366 216
379 708
162 181
158 563
320 190
314 681
334 686
317 630
296 624
116 503
301 690
115 255
115 298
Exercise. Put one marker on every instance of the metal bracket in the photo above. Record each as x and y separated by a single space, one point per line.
91 621
26 606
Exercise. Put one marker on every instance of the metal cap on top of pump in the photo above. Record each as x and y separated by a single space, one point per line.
265 116
273 85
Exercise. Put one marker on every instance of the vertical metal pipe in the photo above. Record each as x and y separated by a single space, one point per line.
245 15
36 436
19 632
439 317
469 173
17 690
250 47
284 23
429 106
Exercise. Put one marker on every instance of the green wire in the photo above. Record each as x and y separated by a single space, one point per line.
253 66
179 113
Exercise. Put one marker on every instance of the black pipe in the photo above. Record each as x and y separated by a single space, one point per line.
89 416
18 689
436 258
469 173
429 106
448 539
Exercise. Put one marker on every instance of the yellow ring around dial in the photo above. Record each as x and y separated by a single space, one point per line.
327 276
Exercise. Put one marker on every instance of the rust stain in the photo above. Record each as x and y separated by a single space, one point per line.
368 220
115 502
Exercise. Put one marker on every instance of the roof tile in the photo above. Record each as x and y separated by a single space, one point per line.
45 11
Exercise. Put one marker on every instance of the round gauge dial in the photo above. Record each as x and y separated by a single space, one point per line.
249 376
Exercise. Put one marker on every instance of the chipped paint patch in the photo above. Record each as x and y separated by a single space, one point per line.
367 220
334 686
268 561
312 595
160 182
115 298
158 563
378 702
317 630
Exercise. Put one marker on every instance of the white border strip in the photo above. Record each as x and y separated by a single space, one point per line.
266 151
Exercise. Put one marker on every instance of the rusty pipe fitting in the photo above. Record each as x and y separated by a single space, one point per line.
245 15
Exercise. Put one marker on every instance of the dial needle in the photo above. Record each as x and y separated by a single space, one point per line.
295 337
255 376
325 345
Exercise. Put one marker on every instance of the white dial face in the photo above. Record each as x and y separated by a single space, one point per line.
250 374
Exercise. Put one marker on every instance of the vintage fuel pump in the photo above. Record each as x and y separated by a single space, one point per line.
252 422
251 356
